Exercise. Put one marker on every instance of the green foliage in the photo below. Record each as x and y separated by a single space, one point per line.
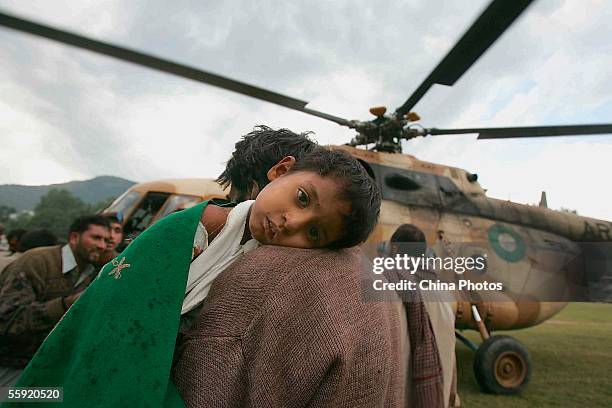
55 212
90 191
22 221
5 211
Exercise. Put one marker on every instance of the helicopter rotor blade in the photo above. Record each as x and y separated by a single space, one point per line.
491 24
160 64
532 131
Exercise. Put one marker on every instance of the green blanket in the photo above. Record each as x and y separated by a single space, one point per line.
114 347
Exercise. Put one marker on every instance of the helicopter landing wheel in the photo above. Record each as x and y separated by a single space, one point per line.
502 365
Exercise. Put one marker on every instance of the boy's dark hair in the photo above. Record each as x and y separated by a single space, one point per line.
37 238
257 152
410 234
82 223
356 187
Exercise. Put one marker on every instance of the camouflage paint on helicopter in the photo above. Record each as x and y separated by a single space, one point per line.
530 249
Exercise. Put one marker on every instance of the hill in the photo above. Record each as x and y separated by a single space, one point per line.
90 191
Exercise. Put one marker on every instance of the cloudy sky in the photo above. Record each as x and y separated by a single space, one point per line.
68 114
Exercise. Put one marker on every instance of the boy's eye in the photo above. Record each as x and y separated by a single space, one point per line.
302 198
313 234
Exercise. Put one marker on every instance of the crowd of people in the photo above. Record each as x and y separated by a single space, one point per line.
17 241
41 279
252 301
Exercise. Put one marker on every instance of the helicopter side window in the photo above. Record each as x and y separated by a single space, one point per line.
145 212
408 187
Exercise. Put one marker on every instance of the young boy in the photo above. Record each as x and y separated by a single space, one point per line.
326 200
115 345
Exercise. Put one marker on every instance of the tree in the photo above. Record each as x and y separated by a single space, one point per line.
23 220
56 211
5 212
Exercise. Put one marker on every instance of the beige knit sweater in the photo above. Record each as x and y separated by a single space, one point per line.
286 327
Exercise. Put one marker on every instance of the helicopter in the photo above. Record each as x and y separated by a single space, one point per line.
447 203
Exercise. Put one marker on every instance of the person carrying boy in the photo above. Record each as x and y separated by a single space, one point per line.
252 155
115 345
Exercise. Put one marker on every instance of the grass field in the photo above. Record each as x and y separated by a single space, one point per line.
572 362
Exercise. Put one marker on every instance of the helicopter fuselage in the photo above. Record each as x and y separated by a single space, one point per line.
531 249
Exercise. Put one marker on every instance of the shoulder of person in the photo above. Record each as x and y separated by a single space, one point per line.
35 259
271 282
42 253
332 278
317 295
294 266
306 264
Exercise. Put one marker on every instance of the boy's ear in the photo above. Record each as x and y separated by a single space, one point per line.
281 168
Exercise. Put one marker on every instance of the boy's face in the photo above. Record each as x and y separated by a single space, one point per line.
115 237
299 210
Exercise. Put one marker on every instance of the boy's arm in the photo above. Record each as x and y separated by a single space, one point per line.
213 219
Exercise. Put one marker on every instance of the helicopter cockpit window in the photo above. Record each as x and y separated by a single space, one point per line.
124 204
145 212
409 187
178 202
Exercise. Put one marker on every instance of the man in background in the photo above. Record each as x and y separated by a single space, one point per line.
29 240
3 240
14 239
37 238
115 238
409 239
13 244
40 286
